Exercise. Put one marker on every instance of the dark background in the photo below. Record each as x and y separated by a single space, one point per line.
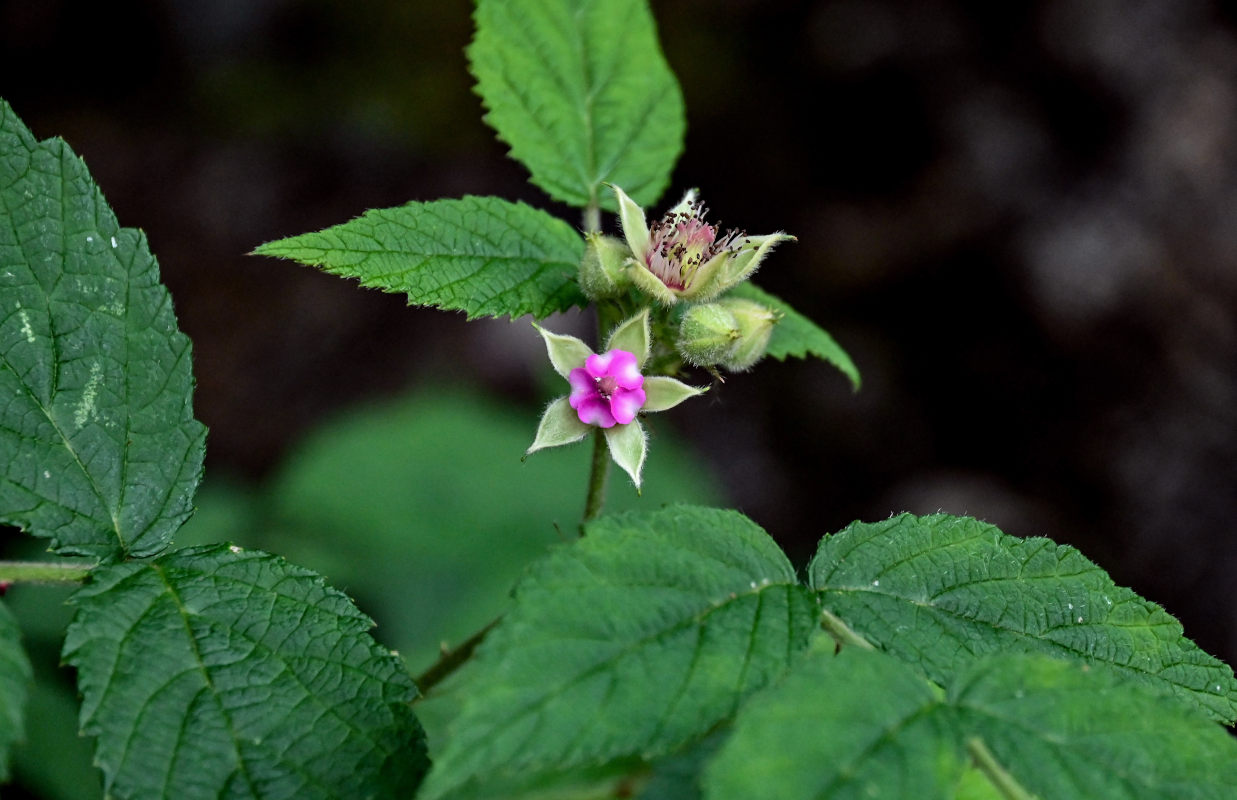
1018 217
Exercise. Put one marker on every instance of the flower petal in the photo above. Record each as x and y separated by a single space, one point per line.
599 365
635 229
583 386
566 352
632 335
624 404
628 449
624 370
559 425
662 393
595 411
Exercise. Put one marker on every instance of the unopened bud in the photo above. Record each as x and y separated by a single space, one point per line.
708 334
755 323
601 272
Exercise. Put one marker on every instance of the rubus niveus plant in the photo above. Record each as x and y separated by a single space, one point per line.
669 651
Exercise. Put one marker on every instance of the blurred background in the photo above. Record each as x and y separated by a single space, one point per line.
1019 218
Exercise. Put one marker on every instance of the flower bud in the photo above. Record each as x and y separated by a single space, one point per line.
755 326
708 334
601 272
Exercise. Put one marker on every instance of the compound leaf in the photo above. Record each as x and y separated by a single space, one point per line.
481 255
220 672
15 676
101 452
581 92
939 590
637 638
796 335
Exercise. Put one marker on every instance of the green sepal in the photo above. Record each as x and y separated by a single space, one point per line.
632 335
559 425
753 251
662 393
708 280
650 284
566 352
635 229
628 447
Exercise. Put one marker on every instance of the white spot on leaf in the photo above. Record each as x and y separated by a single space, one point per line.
90 396
26 330
114 245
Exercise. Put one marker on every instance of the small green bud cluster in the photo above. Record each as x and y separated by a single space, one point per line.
732 333
684 264
603 273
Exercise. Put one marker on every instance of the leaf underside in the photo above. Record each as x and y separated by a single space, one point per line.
939 590
581 92
796 335
481 255
219 672
632 641
100 450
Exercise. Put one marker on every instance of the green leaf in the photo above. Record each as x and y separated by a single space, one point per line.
636 639
796 335
15 679
101 451
582 93
857 725
939 590
481 255
863 724
974 786
219 672
450 513
1063 730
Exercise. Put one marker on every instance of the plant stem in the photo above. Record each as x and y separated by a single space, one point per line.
42 572
592 214
597 475
1002 781
451 660
841 632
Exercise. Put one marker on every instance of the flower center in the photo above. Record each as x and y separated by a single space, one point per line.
606 385
681 242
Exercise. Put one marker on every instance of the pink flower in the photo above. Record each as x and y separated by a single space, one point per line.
681 242
607 389
681 256
607 392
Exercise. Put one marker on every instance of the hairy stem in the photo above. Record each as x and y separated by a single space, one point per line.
42 572
592 213
451 660
597 474
841 632
1002 781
